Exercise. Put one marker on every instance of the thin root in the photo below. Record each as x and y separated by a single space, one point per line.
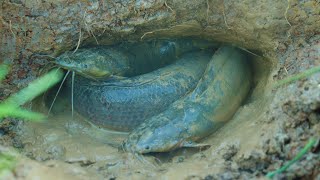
10 26
208 10
165 3
285 69
89 29
250 52
78 44
151 32
286 12
225 17
225 20
94 37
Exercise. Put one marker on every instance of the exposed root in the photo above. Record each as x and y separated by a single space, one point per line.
224 16
285 16
94 37
10 26
165 29
208 10
285 69
249 52
104 30
78 44
89 29
225 19
165 3
286 12
151 32
289 33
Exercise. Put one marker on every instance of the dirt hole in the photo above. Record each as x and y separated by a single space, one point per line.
75 141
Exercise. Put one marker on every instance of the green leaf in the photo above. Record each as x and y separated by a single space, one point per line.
35 88
16 112
10 107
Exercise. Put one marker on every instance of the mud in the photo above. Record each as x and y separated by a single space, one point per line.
267 131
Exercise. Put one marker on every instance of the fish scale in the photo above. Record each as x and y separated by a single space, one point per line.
125 103
220 92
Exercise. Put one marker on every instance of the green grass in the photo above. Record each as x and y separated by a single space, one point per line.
11 106
312 141
306 148
297 77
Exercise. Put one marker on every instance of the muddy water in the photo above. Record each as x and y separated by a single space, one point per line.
72 140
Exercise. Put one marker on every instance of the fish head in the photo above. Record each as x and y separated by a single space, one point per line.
147 139
93 63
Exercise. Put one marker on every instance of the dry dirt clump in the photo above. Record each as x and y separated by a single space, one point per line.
268 131
295 110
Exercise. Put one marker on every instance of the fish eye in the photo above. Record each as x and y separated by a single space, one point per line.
85 66
147 147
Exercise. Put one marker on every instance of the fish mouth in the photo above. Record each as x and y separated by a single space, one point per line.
65 65
72 68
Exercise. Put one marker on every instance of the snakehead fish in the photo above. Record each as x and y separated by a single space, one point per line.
218 95
123 104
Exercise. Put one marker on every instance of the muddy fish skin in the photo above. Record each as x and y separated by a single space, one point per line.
224 86
151 55
128 59
123 104
96 62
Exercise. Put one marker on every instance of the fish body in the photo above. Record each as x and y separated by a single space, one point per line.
217 96
128 59
123 104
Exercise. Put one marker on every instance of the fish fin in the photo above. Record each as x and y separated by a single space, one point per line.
191 144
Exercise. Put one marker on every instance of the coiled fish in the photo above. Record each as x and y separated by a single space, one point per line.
218 95
123 104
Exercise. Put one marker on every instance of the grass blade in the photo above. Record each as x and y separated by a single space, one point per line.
298 76
17 112
306 148
35 88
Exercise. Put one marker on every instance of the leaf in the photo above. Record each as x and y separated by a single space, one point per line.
16 112
35 88
10 107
